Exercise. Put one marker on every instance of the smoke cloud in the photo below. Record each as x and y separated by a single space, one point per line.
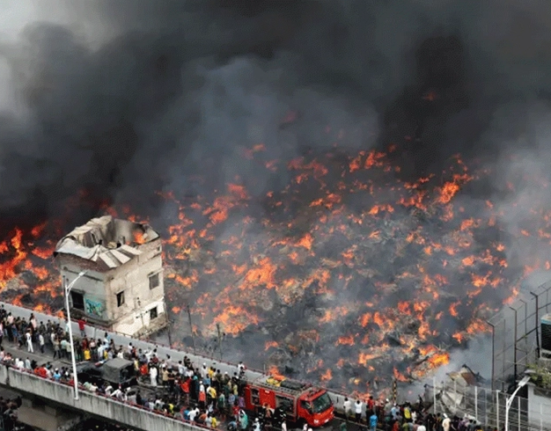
126 98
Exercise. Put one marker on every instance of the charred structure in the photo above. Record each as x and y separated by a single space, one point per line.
123 287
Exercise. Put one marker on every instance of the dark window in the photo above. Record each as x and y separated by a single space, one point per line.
120 298
77 299
153 313
322 403
154 281
255 399
284 403
306 406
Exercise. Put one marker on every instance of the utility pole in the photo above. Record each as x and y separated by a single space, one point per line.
67 290
169 324
219 340
190 327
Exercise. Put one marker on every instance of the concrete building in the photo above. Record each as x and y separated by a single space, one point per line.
123 288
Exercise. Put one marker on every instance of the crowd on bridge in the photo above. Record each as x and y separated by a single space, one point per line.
391 416
200 394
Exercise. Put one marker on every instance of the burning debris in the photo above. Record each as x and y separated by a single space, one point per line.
352 277
346 276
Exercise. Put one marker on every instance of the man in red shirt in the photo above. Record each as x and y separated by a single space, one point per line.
81 323
184 386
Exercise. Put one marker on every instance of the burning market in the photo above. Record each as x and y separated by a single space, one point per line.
329 218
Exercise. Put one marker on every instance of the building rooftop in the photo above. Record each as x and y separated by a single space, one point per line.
107 241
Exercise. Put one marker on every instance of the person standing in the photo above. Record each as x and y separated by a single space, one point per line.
358 410
81 327
347 407
446 423
153 376
29 342
41 342
373 422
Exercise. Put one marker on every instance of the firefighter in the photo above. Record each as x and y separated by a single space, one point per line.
280 416
261 416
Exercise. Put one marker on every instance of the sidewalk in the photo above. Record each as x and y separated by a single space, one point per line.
40 358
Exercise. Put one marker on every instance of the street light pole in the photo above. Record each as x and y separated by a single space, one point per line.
73 356
509 401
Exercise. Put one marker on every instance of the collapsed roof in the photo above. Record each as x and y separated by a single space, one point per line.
107 241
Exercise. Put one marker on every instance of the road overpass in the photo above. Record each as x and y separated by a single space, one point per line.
49 397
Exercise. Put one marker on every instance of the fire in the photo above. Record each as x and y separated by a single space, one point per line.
271 344
344 255
274 372
139 237
346 340
439 359
327 375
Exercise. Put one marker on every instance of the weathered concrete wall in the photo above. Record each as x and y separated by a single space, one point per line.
539 407
96 405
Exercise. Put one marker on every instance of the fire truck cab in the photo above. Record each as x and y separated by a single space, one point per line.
301 402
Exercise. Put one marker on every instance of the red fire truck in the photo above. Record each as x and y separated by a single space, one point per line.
302 402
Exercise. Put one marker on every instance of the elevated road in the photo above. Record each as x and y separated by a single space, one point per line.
106 407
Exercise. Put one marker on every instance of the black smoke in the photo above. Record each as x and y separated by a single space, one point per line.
147 93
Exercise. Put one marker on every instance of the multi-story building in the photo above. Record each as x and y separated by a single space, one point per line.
122 289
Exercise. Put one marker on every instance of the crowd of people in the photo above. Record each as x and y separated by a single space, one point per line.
390 416
202 395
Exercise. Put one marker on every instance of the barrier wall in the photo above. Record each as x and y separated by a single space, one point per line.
162 351
96 405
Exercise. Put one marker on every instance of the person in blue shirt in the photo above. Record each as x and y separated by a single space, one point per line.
57 375
373 422
394 412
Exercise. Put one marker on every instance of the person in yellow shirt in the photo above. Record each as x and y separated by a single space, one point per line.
214 422
212 393
87 355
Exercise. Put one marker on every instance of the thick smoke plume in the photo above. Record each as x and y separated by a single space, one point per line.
115 101
130 97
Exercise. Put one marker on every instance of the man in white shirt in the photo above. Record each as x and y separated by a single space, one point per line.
193 414
29 342
358 410
446 423
41 342
118 394
347 407
181 369
153 376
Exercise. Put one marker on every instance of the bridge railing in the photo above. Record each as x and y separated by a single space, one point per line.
33 389
163 349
